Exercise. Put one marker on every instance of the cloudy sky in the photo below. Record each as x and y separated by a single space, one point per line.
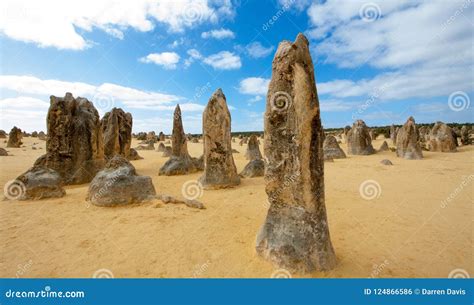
381 61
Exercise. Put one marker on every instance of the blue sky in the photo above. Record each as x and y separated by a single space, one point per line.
381 61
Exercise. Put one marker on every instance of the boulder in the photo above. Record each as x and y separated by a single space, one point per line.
386 162
3 152
119 184
441 138
40 183
133 155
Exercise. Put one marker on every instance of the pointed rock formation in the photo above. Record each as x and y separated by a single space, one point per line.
219 166
465 140
134 155
255 168
119 184
408 146
161 136
253 150
384 147
180 163
74 146
14 138
441 138
295 235
358 139
393 134
161 147
331 149
117 132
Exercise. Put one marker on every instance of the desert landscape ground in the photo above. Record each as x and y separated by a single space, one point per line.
410 229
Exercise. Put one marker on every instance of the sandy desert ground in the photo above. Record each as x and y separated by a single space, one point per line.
408 231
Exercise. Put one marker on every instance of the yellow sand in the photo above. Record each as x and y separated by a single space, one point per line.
406 232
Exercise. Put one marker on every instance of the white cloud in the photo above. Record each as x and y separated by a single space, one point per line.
28 108
218 34
254 86
419 49
257 50
223 60
166 59
55 23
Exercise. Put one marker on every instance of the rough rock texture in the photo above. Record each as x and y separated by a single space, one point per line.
358 139
74 146
441 138
141 136
3 152
34 134
14 138
465 140
393 134
41 182
117 132
42 135
295 235
3 134
161 147
255 168
167 152
133 155
331 148
384 146
199 162
151 137
149 146
408 146
219 166
386 162
161 136
253 149
179 163
119 184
